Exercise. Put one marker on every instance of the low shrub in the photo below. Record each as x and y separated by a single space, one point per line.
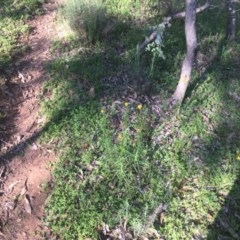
86 17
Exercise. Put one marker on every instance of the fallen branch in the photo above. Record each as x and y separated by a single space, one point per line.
183 14
147 40
167 20
160 208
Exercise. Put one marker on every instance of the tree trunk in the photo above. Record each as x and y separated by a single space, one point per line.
191 39
168 19
231 28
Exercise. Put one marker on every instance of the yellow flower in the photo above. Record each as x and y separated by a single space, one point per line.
120 137
126 104
238 155
102 111
139 106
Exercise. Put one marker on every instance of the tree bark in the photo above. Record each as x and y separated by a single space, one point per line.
168 19
191 40
231 28
183 14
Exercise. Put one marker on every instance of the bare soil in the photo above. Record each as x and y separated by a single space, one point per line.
26 165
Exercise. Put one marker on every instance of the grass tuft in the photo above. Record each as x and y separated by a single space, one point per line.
87 18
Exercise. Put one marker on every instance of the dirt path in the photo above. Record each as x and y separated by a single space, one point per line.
25 166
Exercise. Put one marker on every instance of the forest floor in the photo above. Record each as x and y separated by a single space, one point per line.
25 165
89 123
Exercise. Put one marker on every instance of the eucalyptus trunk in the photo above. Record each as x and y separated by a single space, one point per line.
191 40
231 28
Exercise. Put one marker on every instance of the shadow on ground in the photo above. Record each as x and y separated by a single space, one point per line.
21 78
225 141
